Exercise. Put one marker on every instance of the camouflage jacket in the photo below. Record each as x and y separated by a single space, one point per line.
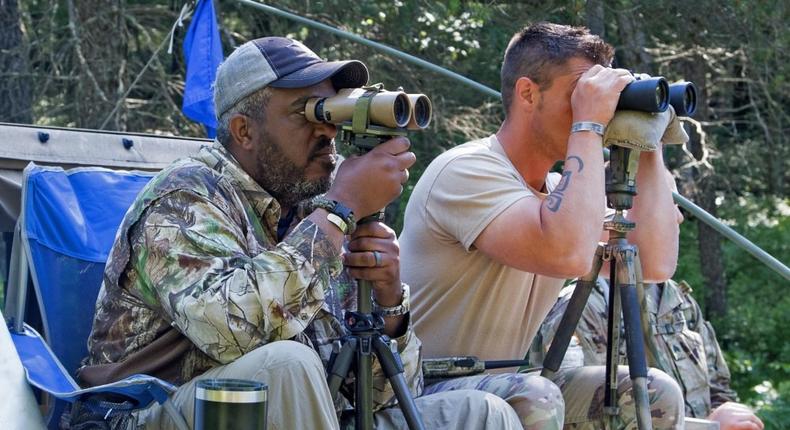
198 252
684 346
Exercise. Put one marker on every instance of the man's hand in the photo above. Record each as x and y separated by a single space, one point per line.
597 93
367 183
735 416
374 255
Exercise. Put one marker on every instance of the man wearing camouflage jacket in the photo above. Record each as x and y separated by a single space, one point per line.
226 266
684 346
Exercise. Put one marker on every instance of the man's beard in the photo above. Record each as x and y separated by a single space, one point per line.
285 180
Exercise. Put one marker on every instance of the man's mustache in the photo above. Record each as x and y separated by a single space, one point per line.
320 147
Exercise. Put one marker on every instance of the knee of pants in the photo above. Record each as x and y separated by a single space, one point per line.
536 388
537 397
665 392
285 353
485 407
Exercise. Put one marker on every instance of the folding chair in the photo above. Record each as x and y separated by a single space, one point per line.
62 240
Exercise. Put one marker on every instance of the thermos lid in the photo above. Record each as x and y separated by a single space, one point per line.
231 391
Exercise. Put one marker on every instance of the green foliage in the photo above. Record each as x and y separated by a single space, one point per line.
753 333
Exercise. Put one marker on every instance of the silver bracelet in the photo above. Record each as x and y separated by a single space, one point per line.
588 126
398 310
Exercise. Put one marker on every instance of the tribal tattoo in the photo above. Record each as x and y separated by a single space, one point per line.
554 200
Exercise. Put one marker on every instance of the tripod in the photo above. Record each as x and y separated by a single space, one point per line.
366 338
625 275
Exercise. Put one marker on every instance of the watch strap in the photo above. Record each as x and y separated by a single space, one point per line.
337 221
337 212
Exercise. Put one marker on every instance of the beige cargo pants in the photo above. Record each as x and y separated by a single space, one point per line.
299 397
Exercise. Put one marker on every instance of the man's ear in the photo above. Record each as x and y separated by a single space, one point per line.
526 93
240 130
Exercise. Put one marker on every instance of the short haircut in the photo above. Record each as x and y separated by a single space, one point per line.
539 50
253 106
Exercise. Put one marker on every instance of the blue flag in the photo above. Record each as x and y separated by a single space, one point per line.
203 52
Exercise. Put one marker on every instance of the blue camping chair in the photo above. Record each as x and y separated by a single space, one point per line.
63 237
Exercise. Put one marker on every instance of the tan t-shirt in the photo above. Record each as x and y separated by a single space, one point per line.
463 302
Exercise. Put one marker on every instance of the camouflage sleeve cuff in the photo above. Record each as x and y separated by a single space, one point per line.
404 339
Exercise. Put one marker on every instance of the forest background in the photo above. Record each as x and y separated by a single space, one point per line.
103 64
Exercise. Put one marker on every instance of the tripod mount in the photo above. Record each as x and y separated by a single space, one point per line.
625 292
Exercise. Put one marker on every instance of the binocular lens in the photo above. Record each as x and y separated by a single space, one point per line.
421 111
661 95
401 110
646 95
318 112
683 98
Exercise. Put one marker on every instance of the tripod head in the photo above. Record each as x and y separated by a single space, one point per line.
621 186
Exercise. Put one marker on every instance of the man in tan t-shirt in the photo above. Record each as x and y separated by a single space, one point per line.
490 235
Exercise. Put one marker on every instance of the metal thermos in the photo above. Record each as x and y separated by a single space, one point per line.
230 404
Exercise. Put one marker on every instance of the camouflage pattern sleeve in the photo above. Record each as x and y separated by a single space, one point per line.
218 285
544 336
591 331
718 372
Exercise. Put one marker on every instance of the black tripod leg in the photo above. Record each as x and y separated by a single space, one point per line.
570 319
611 409
393 370
637 366
340 365
654 359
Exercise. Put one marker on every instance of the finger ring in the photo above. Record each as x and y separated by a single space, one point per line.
377 257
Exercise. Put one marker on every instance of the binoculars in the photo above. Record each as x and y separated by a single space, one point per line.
655 94
389 109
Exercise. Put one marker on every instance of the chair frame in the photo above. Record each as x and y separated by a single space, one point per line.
60 388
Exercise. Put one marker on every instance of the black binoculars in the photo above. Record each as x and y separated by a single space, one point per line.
655 94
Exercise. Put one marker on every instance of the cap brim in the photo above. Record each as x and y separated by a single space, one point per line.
344 74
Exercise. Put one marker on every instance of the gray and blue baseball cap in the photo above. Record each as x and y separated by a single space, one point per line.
279 62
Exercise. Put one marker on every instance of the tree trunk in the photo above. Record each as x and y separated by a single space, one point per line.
595 17
710 255
632 55
15 91
704 193
98 33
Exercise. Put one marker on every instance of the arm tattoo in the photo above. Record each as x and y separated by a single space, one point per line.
578 159
554 200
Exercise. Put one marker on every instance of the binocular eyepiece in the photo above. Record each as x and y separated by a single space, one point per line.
655 94
391 109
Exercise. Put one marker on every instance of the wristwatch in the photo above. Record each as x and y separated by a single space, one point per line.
398 310
339 214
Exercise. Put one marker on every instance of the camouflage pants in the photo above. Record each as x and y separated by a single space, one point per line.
583 389
536 400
